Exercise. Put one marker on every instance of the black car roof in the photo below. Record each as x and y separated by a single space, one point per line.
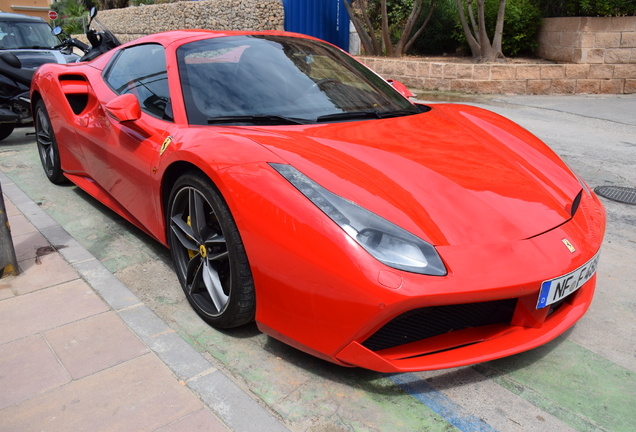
5 16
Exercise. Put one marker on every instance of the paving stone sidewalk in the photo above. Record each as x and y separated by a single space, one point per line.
79 351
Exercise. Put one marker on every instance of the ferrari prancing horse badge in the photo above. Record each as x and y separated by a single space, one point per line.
567 244
165 145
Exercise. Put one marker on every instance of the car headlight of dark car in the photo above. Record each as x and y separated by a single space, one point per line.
387 242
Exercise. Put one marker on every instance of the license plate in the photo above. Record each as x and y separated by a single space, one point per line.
555 289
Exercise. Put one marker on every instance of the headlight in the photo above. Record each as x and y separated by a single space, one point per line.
387 242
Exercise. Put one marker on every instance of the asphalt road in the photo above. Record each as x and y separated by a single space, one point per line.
584 380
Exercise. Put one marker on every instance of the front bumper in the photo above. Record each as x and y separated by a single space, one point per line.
474 345
320 292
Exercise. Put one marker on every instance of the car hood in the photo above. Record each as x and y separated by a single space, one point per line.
453 175
33 58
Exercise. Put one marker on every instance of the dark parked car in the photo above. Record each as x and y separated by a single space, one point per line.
26 43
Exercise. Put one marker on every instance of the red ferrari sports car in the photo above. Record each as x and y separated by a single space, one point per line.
297 188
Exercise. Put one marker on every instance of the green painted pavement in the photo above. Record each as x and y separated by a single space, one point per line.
581 388
115 244
303 388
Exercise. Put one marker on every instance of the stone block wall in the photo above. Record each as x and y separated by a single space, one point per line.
134 22
589 40
543 79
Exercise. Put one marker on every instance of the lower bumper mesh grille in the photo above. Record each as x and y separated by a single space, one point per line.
432 321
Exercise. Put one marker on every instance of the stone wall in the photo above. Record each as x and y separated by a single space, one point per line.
133 22
589 40
543 79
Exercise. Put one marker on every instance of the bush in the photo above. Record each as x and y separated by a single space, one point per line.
521 24
72 25
444 33
437 38
564 8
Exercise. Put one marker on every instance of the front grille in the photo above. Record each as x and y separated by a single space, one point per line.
423 323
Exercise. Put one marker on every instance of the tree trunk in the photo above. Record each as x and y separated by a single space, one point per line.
474 45
477 39
496 40
386 37
421 29
367 37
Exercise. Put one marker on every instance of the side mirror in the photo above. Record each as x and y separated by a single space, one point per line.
124 108
91 15
57 31
401 88
11 60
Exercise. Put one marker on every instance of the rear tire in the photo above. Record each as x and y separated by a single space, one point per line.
6 129
47 145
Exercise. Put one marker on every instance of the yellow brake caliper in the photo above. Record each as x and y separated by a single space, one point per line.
191 253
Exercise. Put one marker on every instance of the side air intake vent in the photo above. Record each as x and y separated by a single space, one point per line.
72 77
75 88
77 102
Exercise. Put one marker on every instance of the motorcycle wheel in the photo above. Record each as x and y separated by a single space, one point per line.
5 130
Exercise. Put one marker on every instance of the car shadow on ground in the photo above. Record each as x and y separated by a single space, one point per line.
363 379
376 383
156 248
246 331
21 135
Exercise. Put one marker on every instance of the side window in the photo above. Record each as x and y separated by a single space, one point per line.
141 70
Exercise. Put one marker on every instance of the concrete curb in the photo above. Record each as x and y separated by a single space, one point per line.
226 399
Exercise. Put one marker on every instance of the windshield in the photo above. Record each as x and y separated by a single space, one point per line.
225 80
24 34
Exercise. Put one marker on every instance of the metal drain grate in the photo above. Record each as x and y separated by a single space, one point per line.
617 193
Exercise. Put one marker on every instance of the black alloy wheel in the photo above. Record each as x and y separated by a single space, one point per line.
208 253
47 145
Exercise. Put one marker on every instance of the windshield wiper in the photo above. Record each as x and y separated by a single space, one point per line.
364 115
270 119
36 47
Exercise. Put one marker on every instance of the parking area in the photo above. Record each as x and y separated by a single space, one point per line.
584 380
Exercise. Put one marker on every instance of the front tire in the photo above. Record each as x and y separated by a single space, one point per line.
47 145
208 253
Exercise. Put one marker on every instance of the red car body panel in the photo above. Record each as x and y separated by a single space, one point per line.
492 198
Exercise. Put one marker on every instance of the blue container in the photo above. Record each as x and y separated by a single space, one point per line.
324 19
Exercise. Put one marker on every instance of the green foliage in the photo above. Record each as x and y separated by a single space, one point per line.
72 25
70 14
73 8
398 12
564 8
437 38
521 24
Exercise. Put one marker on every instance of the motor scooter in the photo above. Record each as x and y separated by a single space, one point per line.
101 41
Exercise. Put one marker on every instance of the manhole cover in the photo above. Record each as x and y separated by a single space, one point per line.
617 193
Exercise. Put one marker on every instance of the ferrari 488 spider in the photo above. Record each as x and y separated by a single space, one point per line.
297 188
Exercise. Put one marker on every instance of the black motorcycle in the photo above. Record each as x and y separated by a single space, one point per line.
21 54
101 41
25 44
